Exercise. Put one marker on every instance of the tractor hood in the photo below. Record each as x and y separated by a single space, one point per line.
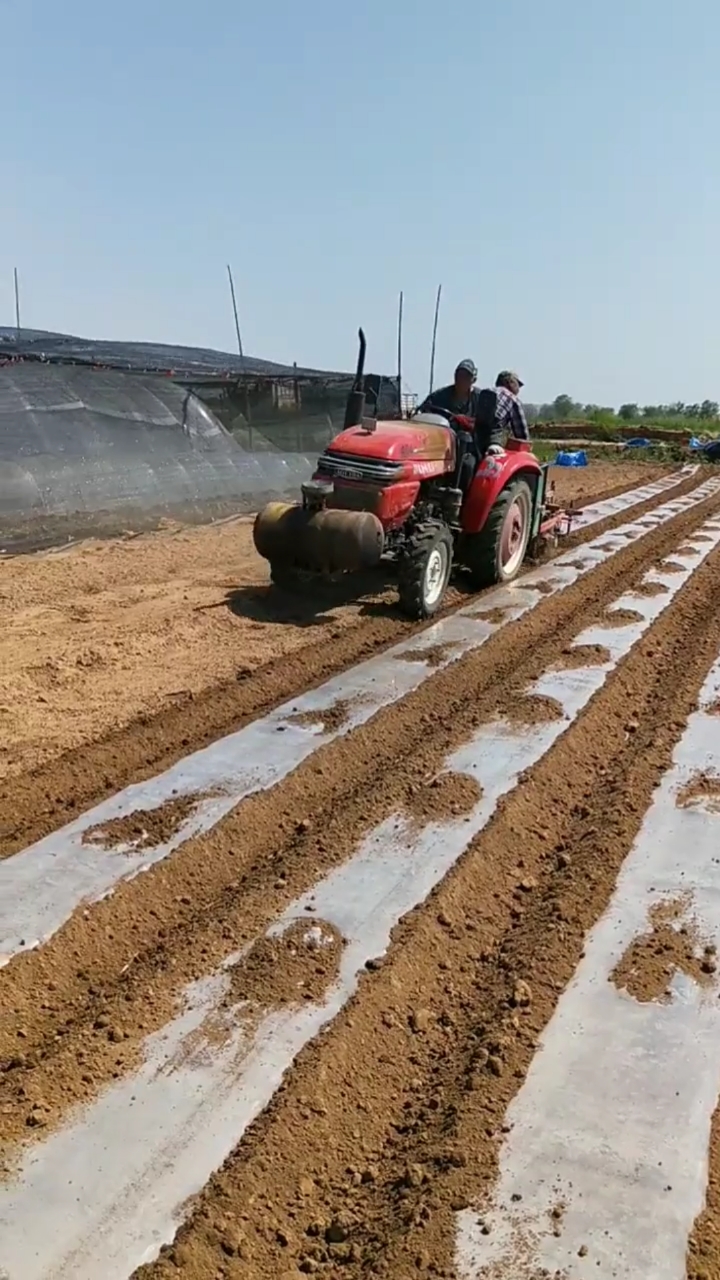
397 440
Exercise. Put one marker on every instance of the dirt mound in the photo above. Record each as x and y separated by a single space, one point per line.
302 963
672 945
582 655
330 718
531 709
621 617
442 798
701 792
145 828
650 589
434 655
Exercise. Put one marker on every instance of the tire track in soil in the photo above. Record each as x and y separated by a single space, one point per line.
34 804
99 1027
83 1025
410 1086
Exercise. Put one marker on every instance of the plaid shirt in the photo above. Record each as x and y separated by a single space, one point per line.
510 414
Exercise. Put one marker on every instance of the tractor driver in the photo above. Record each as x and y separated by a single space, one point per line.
460 397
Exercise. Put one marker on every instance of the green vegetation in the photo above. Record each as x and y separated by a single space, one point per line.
699 417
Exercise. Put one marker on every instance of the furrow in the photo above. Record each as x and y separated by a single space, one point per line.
41 886
34 804
391 1123
210 1072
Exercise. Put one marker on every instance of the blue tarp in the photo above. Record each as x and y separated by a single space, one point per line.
567 458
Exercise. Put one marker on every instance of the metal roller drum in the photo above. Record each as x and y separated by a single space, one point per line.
326 541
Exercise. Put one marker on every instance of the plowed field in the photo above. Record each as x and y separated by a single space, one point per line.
334 946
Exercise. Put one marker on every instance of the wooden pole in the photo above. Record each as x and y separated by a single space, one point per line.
235 310
17 299
399 353
434 338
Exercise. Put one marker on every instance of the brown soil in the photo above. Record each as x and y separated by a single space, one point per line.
703 1254
94 636
670 566
650 589
585 485
582 655
532 708
105 632
300 964
444 797
145 827
576 564
35 797
494 616
701 792
415 1077
220 891
331 719
418 1071
433 655
621 617
672 945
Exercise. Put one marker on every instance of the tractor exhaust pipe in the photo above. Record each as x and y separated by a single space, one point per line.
355 407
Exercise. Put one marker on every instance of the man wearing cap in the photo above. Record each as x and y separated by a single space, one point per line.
459 397
509 413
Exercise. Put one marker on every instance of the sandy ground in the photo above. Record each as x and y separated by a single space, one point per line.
103 632
394 1118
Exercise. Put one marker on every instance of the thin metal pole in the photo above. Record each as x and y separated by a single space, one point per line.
235 310
17 299
399 352
434 338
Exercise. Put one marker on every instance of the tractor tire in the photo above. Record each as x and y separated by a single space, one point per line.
495 554
424 571
287 578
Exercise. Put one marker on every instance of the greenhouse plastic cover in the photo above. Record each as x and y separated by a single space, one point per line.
85 451
149 357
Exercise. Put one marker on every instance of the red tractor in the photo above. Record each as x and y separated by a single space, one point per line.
391 489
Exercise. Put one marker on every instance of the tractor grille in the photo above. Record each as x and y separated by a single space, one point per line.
346 466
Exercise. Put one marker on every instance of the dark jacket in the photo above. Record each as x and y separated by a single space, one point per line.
446 398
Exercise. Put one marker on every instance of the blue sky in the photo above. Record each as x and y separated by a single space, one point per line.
555 164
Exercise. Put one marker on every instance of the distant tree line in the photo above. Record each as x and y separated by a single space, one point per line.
565 409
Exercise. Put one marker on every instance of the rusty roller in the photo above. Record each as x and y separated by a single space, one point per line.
325 541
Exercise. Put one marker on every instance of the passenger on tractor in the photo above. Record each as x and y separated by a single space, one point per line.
500 413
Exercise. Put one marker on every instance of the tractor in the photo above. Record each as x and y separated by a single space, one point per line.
394 489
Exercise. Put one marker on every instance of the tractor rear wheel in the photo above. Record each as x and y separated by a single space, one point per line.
495 554
424 571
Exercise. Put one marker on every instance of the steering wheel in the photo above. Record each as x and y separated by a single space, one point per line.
463 421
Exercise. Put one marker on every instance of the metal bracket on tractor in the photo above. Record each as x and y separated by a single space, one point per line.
551 520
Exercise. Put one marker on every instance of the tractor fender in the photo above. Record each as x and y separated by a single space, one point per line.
494 474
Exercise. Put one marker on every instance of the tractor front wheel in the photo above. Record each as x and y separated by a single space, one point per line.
286 577
495 554
424 571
